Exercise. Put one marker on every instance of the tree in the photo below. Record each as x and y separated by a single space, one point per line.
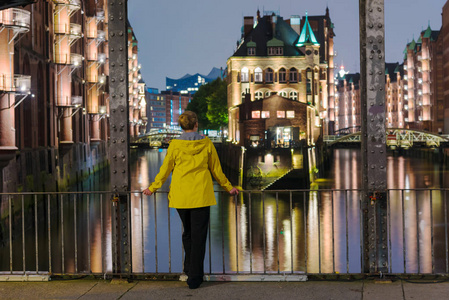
210 104
217 106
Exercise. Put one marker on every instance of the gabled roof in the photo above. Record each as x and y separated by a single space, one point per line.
274 42
262 36
307 36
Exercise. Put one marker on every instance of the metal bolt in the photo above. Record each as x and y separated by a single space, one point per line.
115 171
379 25
380 56
123 171
121 48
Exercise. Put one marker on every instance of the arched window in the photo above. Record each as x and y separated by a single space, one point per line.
258 75
244 75
293 74
267 94
269 75
259 95
243 96
282 75
293 95
283 94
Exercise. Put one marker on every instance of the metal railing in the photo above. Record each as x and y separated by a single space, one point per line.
257 233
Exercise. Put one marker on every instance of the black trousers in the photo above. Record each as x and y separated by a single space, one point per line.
195 222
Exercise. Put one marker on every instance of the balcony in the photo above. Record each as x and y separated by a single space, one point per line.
77 101
102 79
75 33
101 37
100 15
76 60
72 6
15 18
19 84
101 58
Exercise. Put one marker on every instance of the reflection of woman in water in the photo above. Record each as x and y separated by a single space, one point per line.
192 158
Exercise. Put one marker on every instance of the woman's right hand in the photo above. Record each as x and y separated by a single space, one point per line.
147 192
234 191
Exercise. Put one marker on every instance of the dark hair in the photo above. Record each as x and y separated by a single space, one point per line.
187 120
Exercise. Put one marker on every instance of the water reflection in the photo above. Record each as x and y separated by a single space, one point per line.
281 232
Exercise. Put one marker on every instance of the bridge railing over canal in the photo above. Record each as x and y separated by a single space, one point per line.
257 235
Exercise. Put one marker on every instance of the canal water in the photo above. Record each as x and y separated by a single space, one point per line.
276 232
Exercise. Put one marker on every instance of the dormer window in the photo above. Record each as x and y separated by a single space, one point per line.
275 50
251 48
275 47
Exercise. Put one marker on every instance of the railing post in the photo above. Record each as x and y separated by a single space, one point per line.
374 160
119 132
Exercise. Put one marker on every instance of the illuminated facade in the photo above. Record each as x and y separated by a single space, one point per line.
54 101
348 102
288 58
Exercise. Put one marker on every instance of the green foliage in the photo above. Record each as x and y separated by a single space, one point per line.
210 104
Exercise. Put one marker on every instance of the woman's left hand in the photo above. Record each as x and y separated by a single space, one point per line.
147 192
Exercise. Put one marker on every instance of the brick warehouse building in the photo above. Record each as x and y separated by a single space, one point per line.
54 95
292 59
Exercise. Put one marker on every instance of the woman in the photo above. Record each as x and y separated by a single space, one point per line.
192 158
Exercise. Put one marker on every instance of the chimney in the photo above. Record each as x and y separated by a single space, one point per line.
274 20
295 23
248 23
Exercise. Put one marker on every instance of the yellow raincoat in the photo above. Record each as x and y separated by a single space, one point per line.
192 163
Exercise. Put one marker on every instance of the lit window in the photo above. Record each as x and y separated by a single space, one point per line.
293 95
265 114
290 114
251 51
244 75
258 75
280 114
255 114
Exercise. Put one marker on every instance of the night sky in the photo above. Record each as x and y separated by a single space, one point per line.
192 36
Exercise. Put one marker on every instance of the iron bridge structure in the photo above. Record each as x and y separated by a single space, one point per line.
396 138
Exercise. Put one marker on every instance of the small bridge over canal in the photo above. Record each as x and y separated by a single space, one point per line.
396 138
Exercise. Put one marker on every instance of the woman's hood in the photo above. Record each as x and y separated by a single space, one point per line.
189 147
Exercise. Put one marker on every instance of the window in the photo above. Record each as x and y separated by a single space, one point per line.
290 114
258 95
275 51
280 114
269 75
293 95
293 74
258 75
244 75
251 51
255 114
265 114
267 94
283 94
282 75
